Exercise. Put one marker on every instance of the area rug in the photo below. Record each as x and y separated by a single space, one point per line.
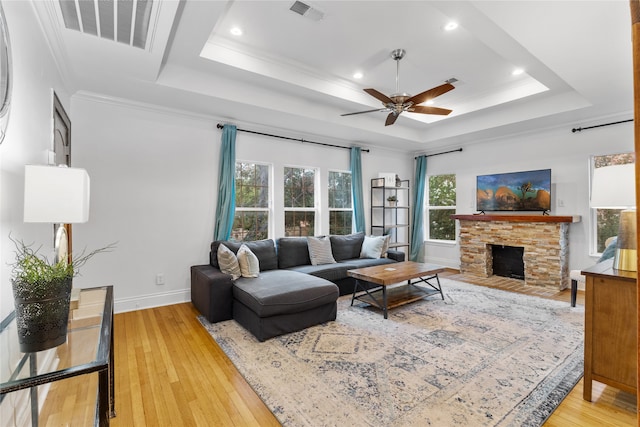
481 357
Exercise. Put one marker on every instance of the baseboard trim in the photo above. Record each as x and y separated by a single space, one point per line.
141 302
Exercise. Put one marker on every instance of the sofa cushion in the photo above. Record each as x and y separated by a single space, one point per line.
320 250
265 251
352 264
293 251
332 272
248 261
283 291
228 262
346 247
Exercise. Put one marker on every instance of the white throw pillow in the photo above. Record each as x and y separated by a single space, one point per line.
372 246
228 262
249 264
320 250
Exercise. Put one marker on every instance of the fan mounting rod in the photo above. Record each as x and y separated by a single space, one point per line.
397 55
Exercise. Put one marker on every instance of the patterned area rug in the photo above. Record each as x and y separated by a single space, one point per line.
481 357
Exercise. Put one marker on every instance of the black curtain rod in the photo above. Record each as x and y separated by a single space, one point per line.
437 154
574 130
219 126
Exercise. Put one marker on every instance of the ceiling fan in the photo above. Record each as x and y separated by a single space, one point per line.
398 102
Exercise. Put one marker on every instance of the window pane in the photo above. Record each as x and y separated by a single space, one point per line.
339 190
299 189
340 222
607 220
252 185
441 226
250 225
442 190
607 226
299 223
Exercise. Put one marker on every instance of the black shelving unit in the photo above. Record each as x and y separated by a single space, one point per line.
391 219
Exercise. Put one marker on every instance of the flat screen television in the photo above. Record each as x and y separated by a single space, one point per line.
514 191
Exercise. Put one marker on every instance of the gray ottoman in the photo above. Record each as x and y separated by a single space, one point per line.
281 301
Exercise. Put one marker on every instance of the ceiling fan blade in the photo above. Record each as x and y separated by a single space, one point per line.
391 118
423 109
431 93
379 96
362 112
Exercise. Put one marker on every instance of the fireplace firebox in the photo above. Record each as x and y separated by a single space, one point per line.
508 261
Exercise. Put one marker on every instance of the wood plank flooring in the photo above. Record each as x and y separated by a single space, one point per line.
169 372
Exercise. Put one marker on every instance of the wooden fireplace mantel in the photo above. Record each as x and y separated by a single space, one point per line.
518 218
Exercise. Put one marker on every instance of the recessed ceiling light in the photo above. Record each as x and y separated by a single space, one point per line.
236 31
451 26
357 75
430 102
517 71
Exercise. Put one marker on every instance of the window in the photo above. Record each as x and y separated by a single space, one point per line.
251 221
340 208
605 221
441 204
299 201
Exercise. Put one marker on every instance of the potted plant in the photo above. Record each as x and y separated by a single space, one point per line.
392 200
41 291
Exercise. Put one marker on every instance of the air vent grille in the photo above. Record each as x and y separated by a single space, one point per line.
125 21
307 11
300 8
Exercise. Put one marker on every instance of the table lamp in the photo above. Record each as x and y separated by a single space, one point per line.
59 195
613 187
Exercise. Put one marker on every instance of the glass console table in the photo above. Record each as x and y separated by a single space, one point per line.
88 349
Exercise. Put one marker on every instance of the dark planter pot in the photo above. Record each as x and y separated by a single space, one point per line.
42 314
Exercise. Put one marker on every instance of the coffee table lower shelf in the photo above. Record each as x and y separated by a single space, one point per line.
396 296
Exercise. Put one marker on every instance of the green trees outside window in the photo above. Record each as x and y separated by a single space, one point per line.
441 204
251 220
340 207
299 201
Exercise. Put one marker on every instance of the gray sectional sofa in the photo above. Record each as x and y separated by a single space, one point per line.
289 293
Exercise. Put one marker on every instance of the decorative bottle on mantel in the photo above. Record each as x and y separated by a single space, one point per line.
398 181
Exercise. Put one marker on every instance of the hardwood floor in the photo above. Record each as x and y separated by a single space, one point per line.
169 372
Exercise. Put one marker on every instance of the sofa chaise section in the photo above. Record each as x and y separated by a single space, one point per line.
281 301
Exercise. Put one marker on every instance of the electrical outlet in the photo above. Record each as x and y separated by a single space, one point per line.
159 279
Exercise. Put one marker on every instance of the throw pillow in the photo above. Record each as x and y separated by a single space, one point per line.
385 247
320 250
249 264
610 250
372 246
228 262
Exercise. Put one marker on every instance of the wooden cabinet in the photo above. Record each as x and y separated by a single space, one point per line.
610 341
389 217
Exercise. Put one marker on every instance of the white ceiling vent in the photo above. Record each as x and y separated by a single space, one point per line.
124 21
307 11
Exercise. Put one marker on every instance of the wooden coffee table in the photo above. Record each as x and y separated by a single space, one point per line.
372 282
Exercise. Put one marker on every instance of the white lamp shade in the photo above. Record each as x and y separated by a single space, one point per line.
614 187
56 194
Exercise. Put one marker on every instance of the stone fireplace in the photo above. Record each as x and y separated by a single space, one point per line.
545 240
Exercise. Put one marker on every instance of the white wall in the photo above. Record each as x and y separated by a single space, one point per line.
153 190
565 153
29 135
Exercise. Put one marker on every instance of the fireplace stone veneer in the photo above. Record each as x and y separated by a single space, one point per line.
545 240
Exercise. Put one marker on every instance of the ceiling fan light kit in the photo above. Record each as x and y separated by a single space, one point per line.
400 102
